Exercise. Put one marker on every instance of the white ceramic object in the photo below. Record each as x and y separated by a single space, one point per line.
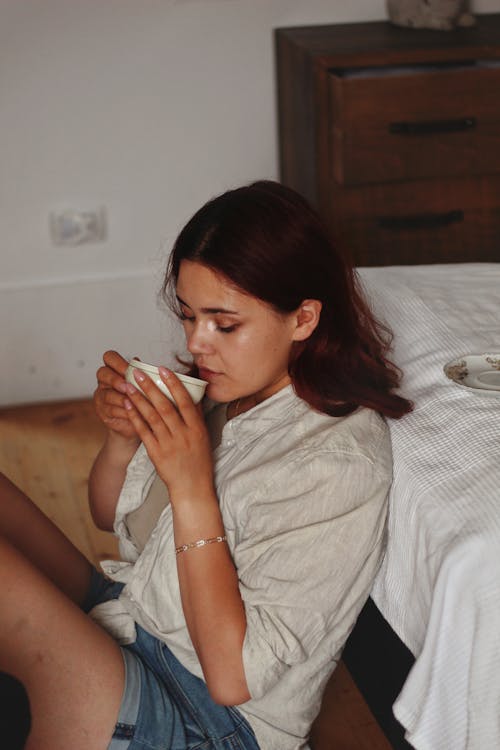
479 372
194 386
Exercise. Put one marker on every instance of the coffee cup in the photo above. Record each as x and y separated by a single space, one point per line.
194 386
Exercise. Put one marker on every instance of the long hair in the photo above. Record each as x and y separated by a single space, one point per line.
268 241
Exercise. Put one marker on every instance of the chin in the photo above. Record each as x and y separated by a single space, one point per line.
216 394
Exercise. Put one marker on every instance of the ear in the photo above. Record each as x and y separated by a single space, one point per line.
307 318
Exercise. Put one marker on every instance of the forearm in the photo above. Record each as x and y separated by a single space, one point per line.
211 600
107 476
178 444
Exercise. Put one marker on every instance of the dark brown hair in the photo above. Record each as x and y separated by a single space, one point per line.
268 241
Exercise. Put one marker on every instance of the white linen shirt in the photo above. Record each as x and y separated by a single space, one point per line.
303 500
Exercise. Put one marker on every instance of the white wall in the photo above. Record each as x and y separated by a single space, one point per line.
146 107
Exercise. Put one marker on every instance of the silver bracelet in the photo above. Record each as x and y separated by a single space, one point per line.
200 543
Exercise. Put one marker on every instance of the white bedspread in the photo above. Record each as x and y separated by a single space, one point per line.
439 587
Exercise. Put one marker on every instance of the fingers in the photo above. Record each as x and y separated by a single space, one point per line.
154 407
115 361
113 403
182 398
109 397
138 421
174 435
110 406
112 373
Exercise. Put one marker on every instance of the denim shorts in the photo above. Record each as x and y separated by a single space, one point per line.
164 706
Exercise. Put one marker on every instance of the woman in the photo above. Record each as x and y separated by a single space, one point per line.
250 534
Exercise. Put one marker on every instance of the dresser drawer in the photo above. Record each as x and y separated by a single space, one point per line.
403 123
434 222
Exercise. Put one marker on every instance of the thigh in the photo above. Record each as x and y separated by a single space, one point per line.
25 527
73 670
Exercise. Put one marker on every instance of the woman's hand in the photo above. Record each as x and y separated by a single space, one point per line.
109 468
177 442
110 395
175 436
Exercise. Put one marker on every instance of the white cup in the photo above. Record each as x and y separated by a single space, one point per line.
194 386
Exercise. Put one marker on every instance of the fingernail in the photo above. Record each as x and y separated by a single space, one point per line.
130 388
164 372
138 375
128 404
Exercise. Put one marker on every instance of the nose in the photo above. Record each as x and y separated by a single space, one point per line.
198 339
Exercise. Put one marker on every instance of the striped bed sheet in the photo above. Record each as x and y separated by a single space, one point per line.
439 585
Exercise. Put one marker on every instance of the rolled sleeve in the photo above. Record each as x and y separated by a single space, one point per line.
138 480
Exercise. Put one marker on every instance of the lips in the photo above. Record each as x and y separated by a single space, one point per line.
206 374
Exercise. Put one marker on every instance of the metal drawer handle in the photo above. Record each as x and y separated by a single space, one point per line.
432 126
420 221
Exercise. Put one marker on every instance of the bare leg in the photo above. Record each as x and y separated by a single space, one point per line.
72 670
24 525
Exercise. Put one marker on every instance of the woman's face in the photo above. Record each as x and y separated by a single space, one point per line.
240 345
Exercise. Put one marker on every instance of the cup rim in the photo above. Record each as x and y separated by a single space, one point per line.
139 365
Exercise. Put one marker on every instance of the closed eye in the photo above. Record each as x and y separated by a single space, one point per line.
191 318
182 315
227 329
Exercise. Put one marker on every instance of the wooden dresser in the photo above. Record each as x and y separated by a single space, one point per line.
394 135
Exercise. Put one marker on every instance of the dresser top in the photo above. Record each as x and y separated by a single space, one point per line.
364 43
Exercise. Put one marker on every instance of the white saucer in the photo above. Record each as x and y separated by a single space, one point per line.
480 372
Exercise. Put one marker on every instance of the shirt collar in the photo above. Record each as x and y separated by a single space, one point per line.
260 418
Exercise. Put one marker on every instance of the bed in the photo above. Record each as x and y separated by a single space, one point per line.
425 651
